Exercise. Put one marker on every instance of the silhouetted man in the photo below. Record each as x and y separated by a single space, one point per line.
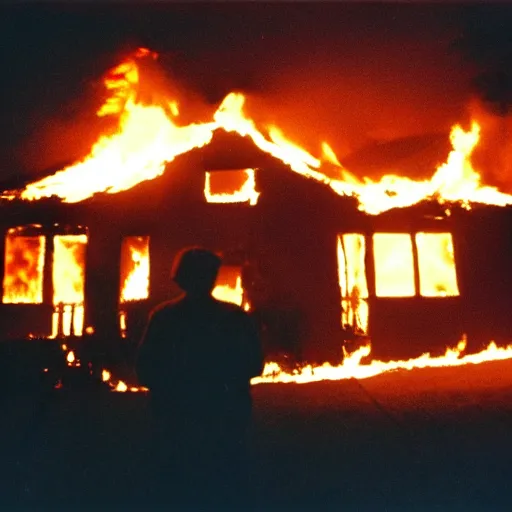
197 357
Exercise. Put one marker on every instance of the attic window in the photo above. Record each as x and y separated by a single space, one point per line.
228 287
436 264
394 267
352 281
233 186
23 272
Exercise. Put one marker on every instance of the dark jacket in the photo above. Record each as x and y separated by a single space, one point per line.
197 358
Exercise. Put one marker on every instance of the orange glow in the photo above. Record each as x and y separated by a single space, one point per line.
23 270
120 81
352 281
394 268
122 323
68 283
329 155
228 287
231 187
436 265
121 387
148 138
72 359
134 268
455 180
351 368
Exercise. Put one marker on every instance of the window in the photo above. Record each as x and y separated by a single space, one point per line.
352 281
237 186
23 271
68 284
228 286
134 279
394 268
436 264
134 268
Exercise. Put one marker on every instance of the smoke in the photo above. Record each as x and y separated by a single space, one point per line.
486 43
493 155
351 75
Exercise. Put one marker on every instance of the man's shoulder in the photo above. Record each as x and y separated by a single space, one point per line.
230 308
235 314
166 308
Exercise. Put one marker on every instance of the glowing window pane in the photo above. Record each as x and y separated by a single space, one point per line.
238 186
351 265
394 268
23 271
69 281
436 265
134 268
352 281
354 314
122 324
228 287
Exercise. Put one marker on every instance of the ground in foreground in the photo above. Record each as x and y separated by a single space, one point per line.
421 440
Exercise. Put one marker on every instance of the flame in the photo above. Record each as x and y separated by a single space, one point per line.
135 268
455 180
436 263
352 282
227 293
121 387
174 108
122 324
243 193
228 287
68 284
329 155
70 358
147 139
351 368
394 267
24 263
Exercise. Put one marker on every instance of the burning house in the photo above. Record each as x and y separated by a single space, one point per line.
320 261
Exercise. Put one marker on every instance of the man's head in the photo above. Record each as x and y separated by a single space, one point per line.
195 270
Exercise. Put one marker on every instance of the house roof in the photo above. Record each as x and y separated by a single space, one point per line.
416 157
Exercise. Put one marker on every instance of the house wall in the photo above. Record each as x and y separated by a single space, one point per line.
287 247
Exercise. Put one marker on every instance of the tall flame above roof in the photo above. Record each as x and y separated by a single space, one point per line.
148 138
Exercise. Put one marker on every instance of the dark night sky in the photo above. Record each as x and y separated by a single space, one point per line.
350 73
